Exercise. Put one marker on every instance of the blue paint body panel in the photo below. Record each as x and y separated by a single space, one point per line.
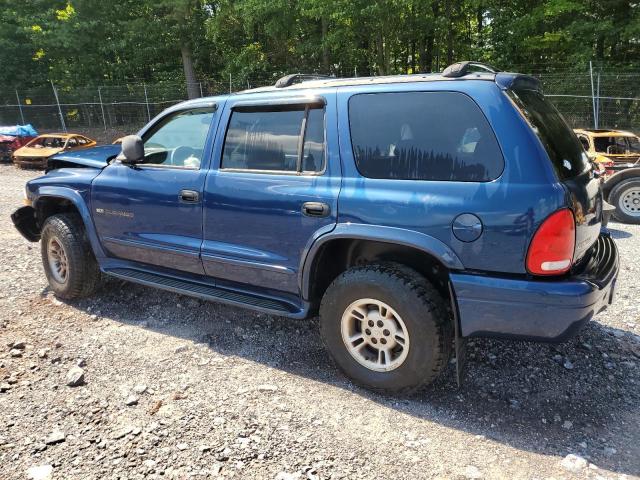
248 235
95 157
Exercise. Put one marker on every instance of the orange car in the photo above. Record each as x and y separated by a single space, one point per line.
37 151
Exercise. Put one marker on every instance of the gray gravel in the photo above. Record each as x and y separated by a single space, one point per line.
175 387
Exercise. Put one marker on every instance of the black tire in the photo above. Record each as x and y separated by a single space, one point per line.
617 199
82 273
422 309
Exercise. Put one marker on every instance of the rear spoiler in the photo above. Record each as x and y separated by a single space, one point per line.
514 81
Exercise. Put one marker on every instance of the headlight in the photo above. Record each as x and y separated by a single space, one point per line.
27 200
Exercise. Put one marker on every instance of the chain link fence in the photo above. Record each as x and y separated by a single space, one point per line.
587 99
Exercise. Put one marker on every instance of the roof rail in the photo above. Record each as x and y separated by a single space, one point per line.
460 69
289 80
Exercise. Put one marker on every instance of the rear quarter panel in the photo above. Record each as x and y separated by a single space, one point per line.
510 207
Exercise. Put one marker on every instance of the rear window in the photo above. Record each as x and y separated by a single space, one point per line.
423 136
563 147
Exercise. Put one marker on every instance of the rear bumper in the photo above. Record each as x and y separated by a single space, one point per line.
541 310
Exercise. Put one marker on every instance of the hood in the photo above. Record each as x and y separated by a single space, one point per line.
36 152
94 157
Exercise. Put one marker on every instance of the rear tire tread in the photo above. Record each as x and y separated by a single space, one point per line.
430 298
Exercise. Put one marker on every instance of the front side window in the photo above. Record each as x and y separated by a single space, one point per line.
178 139
423 136
283 140
47 142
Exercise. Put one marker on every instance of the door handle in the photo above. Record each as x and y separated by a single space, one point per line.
190 196
315 209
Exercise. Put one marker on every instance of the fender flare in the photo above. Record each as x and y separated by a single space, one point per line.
399 236
618 177
75 197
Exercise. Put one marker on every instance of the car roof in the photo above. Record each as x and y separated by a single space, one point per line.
58 135
502 79
354 81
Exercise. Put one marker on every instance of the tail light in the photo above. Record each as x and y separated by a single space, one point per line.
552 247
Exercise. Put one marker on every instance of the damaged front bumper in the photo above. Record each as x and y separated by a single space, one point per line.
25 221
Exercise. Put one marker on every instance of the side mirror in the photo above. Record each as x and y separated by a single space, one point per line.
132 150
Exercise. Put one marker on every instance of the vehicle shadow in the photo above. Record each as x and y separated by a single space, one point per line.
580 397
618 234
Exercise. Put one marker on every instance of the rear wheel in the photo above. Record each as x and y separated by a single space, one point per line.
69 264
386 327
625 196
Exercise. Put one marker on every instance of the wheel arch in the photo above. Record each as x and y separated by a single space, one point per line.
350 245
54 200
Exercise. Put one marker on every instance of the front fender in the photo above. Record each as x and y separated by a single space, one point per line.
616 178
79 202
399 236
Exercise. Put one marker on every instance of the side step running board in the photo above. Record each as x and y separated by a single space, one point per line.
207 292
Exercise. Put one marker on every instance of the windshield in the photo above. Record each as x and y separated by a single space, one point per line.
563 147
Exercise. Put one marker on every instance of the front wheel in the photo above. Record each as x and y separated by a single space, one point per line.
386 327
69 264
625 196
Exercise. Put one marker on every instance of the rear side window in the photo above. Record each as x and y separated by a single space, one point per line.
423 136
563 147
285 140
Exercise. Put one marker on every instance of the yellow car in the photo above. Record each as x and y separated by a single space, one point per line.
615 149
37 151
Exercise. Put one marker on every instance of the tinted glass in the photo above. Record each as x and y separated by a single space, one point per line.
563 147
178 140
313 152
270 140
423 136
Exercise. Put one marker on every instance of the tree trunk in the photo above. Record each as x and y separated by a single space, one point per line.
380 54
193 89
450 31
325 46
480 20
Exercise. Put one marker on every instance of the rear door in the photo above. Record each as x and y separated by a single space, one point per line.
152 212
274 187
570 163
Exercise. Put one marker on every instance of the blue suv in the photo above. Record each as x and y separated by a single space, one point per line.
409 212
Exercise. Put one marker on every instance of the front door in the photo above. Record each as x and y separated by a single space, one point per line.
275 188
152 212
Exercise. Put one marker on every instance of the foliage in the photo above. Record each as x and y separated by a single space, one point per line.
95 42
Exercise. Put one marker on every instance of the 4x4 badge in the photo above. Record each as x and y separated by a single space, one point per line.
117 213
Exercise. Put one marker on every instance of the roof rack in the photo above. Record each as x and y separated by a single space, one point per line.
461 69
289 80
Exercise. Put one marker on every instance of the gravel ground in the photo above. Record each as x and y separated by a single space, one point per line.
180 388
